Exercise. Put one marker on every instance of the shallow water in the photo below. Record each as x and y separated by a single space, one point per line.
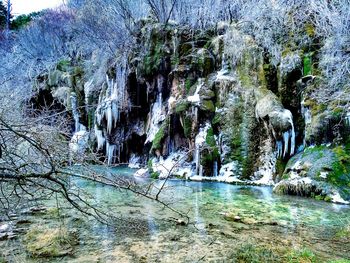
262 218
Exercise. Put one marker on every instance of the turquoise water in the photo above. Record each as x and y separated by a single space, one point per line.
222 218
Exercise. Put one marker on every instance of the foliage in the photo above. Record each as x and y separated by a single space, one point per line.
254 254
155 175
303 255
23 20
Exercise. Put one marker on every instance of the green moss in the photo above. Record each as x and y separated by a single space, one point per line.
188 85
302 255
63 65
337 112
157 142
211 154
160 135
149 164
182 106
244 76
217 119
153 59
254 254
208 105
327 199
187 127
210 139
155 175
315 150
175 61
310 29
344 232
280 166
340 174
307 63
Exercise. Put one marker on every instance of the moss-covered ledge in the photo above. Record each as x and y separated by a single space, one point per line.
321 172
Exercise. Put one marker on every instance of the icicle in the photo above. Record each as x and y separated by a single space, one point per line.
156 117
160 82
110 150
285 143
115 113
109 118
196 98
291 134
199 141
347 118
75 112
292 141
197 158
100 139
215 169
279 148
200 170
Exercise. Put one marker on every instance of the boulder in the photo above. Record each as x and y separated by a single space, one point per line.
320 172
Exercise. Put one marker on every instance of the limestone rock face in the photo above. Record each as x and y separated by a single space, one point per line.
215 100
269 108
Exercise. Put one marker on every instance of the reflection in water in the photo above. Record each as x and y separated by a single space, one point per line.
264 216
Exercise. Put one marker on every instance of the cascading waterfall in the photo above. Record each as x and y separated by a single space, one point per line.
283 146
199 141
279 148
112 102
76 116
100 138
197 158
196 98
286 143
156 117
215 169
306 113
110 153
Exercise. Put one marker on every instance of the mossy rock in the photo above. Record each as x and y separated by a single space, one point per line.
182 106
206 93
185 48
187 126
54 77
307 64
63 65
202 61
328 168
217 119
160 136
207 105
50 242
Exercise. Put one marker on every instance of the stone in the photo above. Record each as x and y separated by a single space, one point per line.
143 172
